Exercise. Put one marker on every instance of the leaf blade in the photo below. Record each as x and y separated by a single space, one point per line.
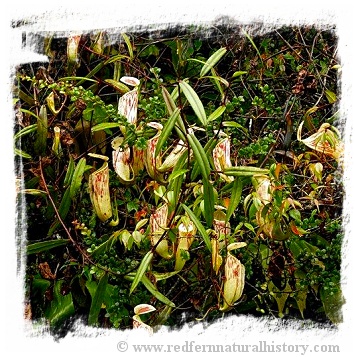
212 61
141 270
166 131
97 300
199 227
40 247
200 155
194 101
235 197
155 292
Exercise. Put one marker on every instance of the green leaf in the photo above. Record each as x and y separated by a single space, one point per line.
120 87
155 292
61 307
70 171
238 73
216 114
208 202
40 247
34 192
25 131
141 270
40 285
217 83
129 45
62 210
105 246
199 227
97 300
295 214
176 174
77 177
200 156
99 67
235 197
212 61
40 144
176 183
245 171
170 105
194 101
164 276
30 113
75 78
210 145
218 79
166 131
104 126
253 44
249 226
234 124
331 96
22 153
26 98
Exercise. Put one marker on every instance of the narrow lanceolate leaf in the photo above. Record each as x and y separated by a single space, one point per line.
245 171
216 114
141 270
194 101
331 96
70 171
114 58
171 107
176 174
25 131
97 300
40 247
107 245
169 101
208 149
212 61
199 227
155 292
217 83
21 153
76 78
200 155
120 87
61 307
218 79
34 192
129 45
166 131
235 197
208 200
104 126
238 73
42 131
62 210
77 177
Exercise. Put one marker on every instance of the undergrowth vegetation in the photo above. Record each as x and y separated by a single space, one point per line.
188 176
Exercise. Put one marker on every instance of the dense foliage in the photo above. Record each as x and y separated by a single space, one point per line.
230 165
